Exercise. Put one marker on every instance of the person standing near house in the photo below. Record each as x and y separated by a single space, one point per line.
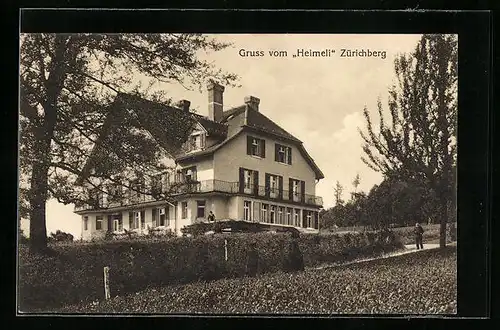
211 217
419 233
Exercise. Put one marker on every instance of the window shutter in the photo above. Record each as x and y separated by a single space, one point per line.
280 187
304 218
256 182
290 155
249 145
263 148
316 220
276 149
267 184
290 189
131 220
241 180
302 191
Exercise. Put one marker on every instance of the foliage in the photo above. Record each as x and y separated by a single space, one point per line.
394 202
67 83
387 286
74 272
60 236
419 143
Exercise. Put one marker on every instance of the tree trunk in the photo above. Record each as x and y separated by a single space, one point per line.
443 201
39 181
38 198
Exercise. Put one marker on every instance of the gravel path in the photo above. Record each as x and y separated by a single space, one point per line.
410 248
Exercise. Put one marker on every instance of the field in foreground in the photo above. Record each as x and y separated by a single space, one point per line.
416 283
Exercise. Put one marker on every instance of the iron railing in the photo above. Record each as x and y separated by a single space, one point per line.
205 186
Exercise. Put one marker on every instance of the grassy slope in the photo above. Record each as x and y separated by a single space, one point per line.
420 283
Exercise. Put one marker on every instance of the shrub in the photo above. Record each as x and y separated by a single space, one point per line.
60 236
387 286
75 272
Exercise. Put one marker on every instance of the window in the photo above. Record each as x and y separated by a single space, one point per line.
309 219
117 223
189 174
274 185
283 154
297 188
247 208
163 213
98 222
272 214
281 210
200 209
85 223
256 147
263 213
248 179
184 210
296 218
196 142
137 219
289 216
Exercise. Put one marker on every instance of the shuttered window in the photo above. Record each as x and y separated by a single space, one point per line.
282 154
256 146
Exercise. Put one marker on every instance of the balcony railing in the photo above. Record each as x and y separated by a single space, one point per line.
211 186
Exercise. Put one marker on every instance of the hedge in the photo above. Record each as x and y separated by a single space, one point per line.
74 273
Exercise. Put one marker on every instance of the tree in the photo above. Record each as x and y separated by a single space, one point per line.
338 190
67 82
419 143
355 184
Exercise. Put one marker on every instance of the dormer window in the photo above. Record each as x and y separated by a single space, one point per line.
196 142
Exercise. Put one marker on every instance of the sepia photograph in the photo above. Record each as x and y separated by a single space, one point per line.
237 174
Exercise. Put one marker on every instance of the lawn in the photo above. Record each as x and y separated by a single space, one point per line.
416 283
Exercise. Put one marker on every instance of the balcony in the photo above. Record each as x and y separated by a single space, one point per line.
206 186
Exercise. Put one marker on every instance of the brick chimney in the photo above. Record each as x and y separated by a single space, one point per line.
252 102
215 101
184 105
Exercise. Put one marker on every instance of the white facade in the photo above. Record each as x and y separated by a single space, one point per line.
252 176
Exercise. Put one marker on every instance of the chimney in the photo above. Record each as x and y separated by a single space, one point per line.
184 105
215 101
252 102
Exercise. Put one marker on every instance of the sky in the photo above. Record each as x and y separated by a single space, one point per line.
319 100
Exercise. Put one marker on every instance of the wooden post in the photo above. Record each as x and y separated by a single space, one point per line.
225 249
107 294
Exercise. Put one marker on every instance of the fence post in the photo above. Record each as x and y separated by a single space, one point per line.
225 249
107 294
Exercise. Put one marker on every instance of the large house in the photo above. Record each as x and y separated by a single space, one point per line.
237 163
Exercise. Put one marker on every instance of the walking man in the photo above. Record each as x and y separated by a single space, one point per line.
419 233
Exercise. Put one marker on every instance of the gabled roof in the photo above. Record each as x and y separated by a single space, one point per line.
244 118
213 128
171 126
168 125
